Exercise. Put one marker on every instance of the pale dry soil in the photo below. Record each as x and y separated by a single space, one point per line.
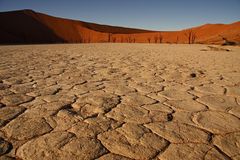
119 101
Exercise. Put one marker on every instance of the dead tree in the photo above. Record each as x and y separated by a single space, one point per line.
133 38
109 37
177 40
80 39
160 37
126 40
122 39
156 39
191 36
114 39
129 39
149 40
188 35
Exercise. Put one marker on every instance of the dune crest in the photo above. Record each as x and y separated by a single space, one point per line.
27 26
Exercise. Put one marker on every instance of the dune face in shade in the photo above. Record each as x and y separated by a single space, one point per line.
28 27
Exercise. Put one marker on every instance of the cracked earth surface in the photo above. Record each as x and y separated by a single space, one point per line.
119 101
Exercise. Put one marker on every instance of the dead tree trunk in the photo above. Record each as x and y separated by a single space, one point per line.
160 38
149 40
122 40
114 39
191 36
129 39
109 37
156 39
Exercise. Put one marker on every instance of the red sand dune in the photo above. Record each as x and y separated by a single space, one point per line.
27 26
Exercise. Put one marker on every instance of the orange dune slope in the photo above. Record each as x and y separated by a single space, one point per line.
30 27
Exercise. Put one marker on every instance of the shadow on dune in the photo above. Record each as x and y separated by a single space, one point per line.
21 28
30 27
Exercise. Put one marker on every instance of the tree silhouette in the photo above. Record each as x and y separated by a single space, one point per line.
191 36
114 39
149 40
129 39
122 39
156 38
160 38
80 39
109 37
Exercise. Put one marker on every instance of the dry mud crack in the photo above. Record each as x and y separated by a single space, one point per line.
119 101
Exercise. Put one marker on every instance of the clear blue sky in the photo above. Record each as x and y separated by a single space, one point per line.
147 14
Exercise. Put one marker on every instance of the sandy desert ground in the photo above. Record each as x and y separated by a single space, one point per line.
119 101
